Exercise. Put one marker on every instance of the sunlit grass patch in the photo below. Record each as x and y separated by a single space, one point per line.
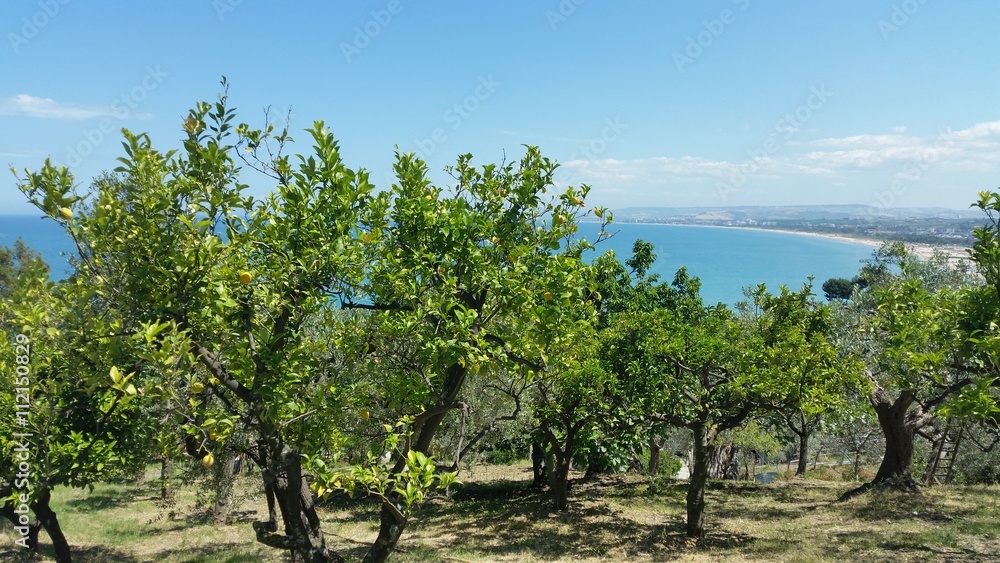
496 516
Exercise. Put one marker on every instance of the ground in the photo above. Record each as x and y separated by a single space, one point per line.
494 516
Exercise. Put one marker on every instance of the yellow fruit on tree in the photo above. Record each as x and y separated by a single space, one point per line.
547 296
598 212
66 213
365 415
246 277
197 387
208 460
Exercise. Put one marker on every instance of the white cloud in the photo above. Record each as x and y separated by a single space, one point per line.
47 108
869 141
864 159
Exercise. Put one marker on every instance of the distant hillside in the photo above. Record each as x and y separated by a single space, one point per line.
768 213
931 225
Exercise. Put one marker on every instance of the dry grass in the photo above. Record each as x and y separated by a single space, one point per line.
496 517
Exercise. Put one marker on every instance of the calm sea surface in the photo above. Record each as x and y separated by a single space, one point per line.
726 260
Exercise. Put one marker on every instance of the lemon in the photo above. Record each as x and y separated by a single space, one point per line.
547 296
246 277
66 213
197 387
208 460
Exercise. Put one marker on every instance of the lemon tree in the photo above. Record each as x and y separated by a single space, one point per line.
232 305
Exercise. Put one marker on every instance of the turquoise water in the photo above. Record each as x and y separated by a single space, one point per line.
726 260
43 235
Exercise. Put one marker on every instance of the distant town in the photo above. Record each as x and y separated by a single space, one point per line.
923 225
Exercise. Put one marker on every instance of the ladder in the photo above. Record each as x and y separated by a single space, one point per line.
940 470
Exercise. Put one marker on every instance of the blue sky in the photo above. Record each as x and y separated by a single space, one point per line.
726 102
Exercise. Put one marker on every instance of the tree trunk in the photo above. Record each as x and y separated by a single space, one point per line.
539 470
897 463
166 490
290 486
392 522
899 424
140 477
29 541
803 452
697 481
223 490
391 525
722 462
559 483
654 458
560 459
47 517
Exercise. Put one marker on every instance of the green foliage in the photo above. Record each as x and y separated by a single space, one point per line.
838 288
77 422
17 262
225 306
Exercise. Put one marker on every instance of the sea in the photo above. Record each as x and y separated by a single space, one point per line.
727 260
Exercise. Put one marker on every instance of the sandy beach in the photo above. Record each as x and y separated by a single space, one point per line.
922 250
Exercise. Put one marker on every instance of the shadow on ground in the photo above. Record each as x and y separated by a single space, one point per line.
506 518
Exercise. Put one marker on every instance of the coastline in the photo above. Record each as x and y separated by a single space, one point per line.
923 251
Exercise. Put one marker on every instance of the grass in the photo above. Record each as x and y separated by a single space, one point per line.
494 516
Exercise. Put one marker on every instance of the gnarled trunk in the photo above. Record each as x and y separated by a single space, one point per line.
290 487
897 463
697 482
899 423
28 540
47 518
392 522
559 459
722 462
